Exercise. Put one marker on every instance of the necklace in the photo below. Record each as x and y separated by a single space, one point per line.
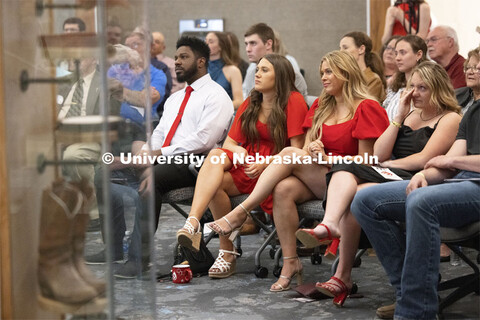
436 115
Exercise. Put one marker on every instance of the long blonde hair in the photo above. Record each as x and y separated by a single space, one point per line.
345 68
438 81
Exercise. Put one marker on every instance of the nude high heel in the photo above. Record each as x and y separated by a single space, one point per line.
234 232
298 273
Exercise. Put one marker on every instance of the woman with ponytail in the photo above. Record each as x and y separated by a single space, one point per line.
359 45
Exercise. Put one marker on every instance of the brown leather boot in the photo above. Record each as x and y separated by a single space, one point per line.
386 312
61 286
80 225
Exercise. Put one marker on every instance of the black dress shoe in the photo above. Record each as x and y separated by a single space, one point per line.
445 259
101 258
130 270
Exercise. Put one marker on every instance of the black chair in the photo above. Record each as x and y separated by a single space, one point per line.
466 237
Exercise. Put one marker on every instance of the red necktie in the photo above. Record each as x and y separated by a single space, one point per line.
175 124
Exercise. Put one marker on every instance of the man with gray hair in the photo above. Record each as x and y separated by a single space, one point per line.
442 43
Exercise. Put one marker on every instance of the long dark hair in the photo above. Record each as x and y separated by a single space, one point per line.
277 120
417 44
372 59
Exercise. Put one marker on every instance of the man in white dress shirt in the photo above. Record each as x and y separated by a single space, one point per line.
204 124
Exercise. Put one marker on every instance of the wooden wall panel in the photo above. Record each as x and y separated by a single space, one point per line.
378 8
5 249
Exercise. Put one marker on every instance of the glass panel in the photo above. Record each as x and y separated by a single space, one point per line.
80 104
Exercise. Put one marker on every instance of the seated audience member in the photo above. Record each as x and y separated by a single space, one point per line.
73 24
222 69
409 51
442 44
114 33
359 45
343 121
407 17
270 119
259 41
125 180
84 99
281 49
159 43
70 25
194 121
413 138
235 54
425 203
154 51
470 94
133 78
388 58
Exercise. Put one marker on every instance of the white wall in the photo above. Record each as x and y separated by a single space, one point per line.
463 16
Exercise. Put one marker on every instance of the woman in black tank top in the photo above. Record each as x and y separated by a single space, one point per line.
416 134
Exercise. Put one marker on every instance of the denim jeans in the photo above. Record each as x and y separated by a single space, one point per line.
120 194
411 258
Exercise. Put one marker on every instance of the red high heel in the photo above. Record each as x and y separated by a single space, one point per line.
310 239
331 251
337 290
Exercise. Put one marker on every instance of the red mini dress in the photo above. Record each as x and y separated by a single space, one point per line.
295 111
368 122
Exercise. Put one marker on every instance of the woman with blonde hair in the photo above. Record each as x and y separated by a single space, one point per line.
221 67
360 45
269 120
344 121
413 138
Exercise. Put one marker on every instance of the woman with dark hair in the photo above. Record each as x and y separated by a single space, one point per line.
221 67
407 17
387 53
269 119
344 121
359 45
413 138
409 52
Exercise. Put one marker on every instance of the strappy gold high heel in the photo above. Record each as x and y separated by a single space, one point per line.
298 273
187 237
234 232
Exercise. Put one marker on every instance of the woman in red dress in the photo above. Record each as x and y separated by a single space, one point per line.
344 121
269 120
407 17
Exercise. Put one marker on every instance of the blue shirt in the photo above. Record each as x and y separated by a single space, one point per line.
136 81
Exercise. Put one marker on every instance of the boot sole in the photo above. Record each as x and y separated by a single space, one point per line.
91 307
102 262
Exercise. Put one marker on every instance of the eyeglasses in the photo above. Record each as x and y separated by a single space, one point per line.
473 68
388 48
434 39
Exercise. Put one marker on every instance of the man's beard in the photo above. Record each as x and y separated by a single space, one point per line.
187 74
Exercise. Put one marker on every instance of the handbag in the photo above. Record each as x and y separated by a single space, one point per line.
200 262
